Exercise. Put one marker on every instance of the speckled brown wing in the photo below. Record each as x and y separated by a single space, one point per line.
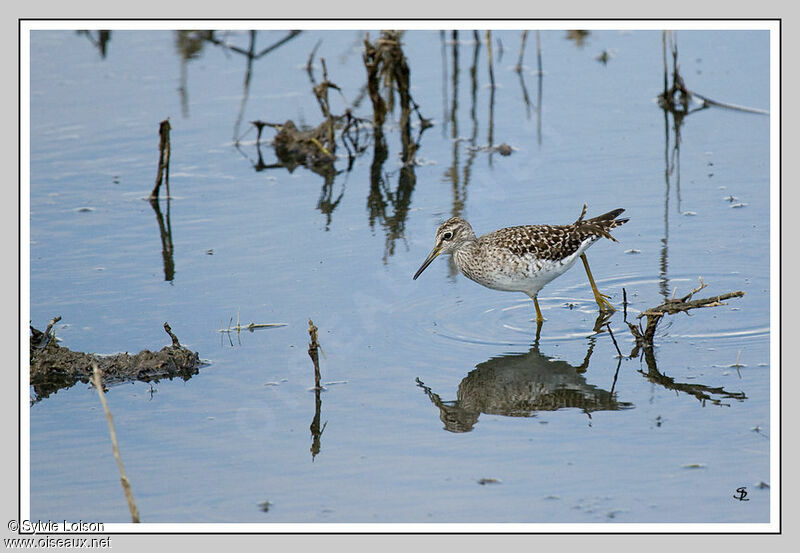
555 242
541 241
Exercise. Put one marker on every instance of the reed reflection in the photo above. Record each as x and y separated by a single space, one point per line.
99 40
703 393
678 101
387 69
165 231
674 103
457 175
316 427
388 86
539 75
313 148
578 36
189 45
162 177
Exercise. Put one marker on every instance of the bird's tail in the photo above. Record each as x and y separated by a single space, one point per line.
602 224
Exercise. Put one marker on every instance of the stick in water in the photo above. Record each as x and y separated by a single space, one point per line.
97 380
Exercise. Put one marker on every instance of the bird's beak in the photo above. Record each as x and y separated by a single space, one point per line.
434 253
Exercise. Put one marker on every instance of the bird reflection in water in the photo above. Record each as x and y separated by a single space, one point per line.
520 385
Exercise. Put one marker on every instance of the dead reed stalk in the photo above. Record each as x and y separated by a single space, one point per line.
163 159
97 380
313 351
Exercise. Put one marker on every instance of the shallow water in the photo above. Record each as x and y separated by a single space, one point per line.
430 385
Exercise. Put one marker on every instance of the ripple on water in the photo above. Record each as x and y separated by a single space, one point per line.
507 319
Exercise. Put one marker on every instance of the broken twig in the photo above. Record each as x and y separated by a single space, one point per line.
644 338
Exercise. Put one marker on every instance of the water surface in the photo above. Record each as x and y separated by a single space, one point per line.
440 405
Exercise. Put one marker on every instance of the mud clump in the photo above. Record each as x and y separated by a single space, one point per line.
295 147
53 367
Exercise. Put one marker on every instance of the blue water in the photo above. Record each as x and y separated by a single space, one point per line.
255 245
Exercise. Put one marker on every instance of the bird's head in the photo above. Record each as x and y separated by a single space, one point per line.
450 235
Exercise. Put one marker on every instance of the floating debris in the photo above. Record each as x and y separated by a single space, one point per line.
504 149
633 251
741 204
689 213
604 56
694 466
251 326
484 481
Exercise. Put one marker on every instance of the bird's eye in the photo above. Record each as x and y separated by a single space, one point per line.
447 235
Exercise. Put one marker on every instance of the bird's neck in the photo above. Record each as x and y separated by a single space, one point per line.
463 252
464 245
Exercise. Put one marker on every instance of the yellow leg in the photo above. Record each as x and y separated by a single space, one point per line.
601 299
539 317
